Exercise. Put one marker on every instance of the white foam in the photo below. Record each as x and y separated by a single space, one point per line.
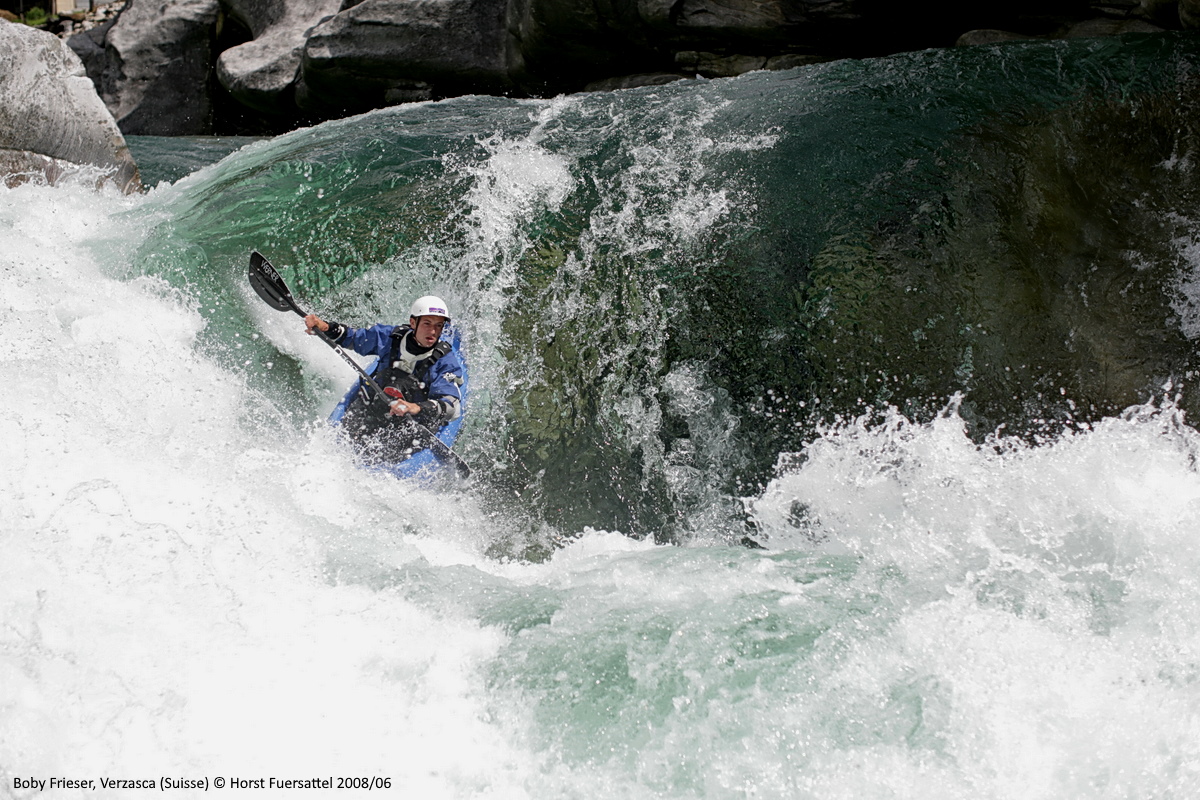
193 584
165 584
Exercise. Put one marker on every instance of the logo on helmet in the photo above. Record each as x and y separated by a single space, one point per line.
436 310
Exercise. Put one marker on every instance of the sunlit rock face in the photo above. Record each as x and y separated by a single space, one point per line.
51 120
262 72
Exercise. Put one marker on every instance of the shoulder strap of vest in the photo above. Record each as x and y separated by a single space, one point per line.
397 340
435 354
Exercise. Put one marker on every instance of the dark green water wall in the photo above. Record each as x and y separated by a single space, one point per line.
665 289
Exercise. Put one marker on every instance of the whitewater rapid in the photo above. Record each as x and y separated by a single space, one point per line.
195 580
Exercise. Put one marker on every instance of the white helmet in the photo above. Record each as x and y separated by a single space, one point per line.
429 306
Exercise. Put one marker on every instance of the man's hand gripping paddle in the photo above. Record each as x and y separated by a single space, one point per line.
267 283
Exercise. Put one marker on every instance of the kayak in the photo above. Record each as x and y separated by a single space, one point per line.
267 284
422 464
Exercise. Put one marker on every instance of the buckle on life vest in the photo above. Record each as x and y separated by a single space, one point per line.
393 392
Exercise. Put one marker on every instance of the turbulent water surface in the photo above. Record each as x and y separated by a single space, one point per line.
831 429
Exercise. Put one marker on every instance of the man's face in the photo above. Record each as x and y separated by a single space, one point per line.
427 329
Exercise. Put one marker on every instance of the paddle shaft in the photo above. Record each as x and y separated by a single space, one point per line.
337 348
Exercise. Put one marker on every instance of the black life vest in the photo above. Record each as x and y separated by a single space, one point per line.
381 436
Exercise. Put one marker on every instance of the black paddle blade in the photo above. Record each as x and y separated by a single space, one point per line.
269 286
464 471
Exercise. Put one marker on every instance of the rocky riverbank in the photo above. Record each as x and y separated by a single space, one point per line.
264 66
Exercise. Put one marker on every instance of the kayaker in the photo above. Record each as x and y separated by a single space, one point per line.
416 367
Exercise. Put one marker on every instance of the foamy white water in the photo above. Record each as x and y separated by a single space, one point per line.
169 581
196 581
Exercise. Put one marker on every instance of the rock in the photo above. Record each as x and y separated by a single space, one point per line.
19 166
378 48
793 60
96 16
89 46
154 74
287 61
564 44
634 81
1164 13
407 92
1110 27
990 36
1189 14
834 28
1117 9
1086 28
736 20
262 73
711 65
51 119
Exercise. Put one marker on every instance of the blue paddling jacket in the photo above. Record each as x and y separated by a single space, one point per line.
431 379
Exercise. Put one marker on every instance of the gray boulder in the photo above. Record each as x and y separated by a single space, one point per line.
398 48
990 36
51 119
1110 27
730 20
156 64
712 65
262 73
562 44
1080 30
89 46
1189 13
634 81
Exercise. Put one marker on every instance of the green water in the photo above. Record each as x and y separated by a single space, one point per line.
793 307
663 289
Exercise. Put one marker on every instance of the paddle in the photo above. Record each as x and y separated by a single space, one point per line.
267 283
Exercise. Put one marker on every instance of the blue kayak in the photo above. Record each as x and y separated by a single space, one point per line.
422 463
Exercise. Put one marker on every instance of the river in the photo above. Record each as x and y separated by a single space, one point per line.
831 432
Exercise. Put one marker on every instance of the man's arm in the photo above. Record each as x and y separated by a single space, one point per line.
373 341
